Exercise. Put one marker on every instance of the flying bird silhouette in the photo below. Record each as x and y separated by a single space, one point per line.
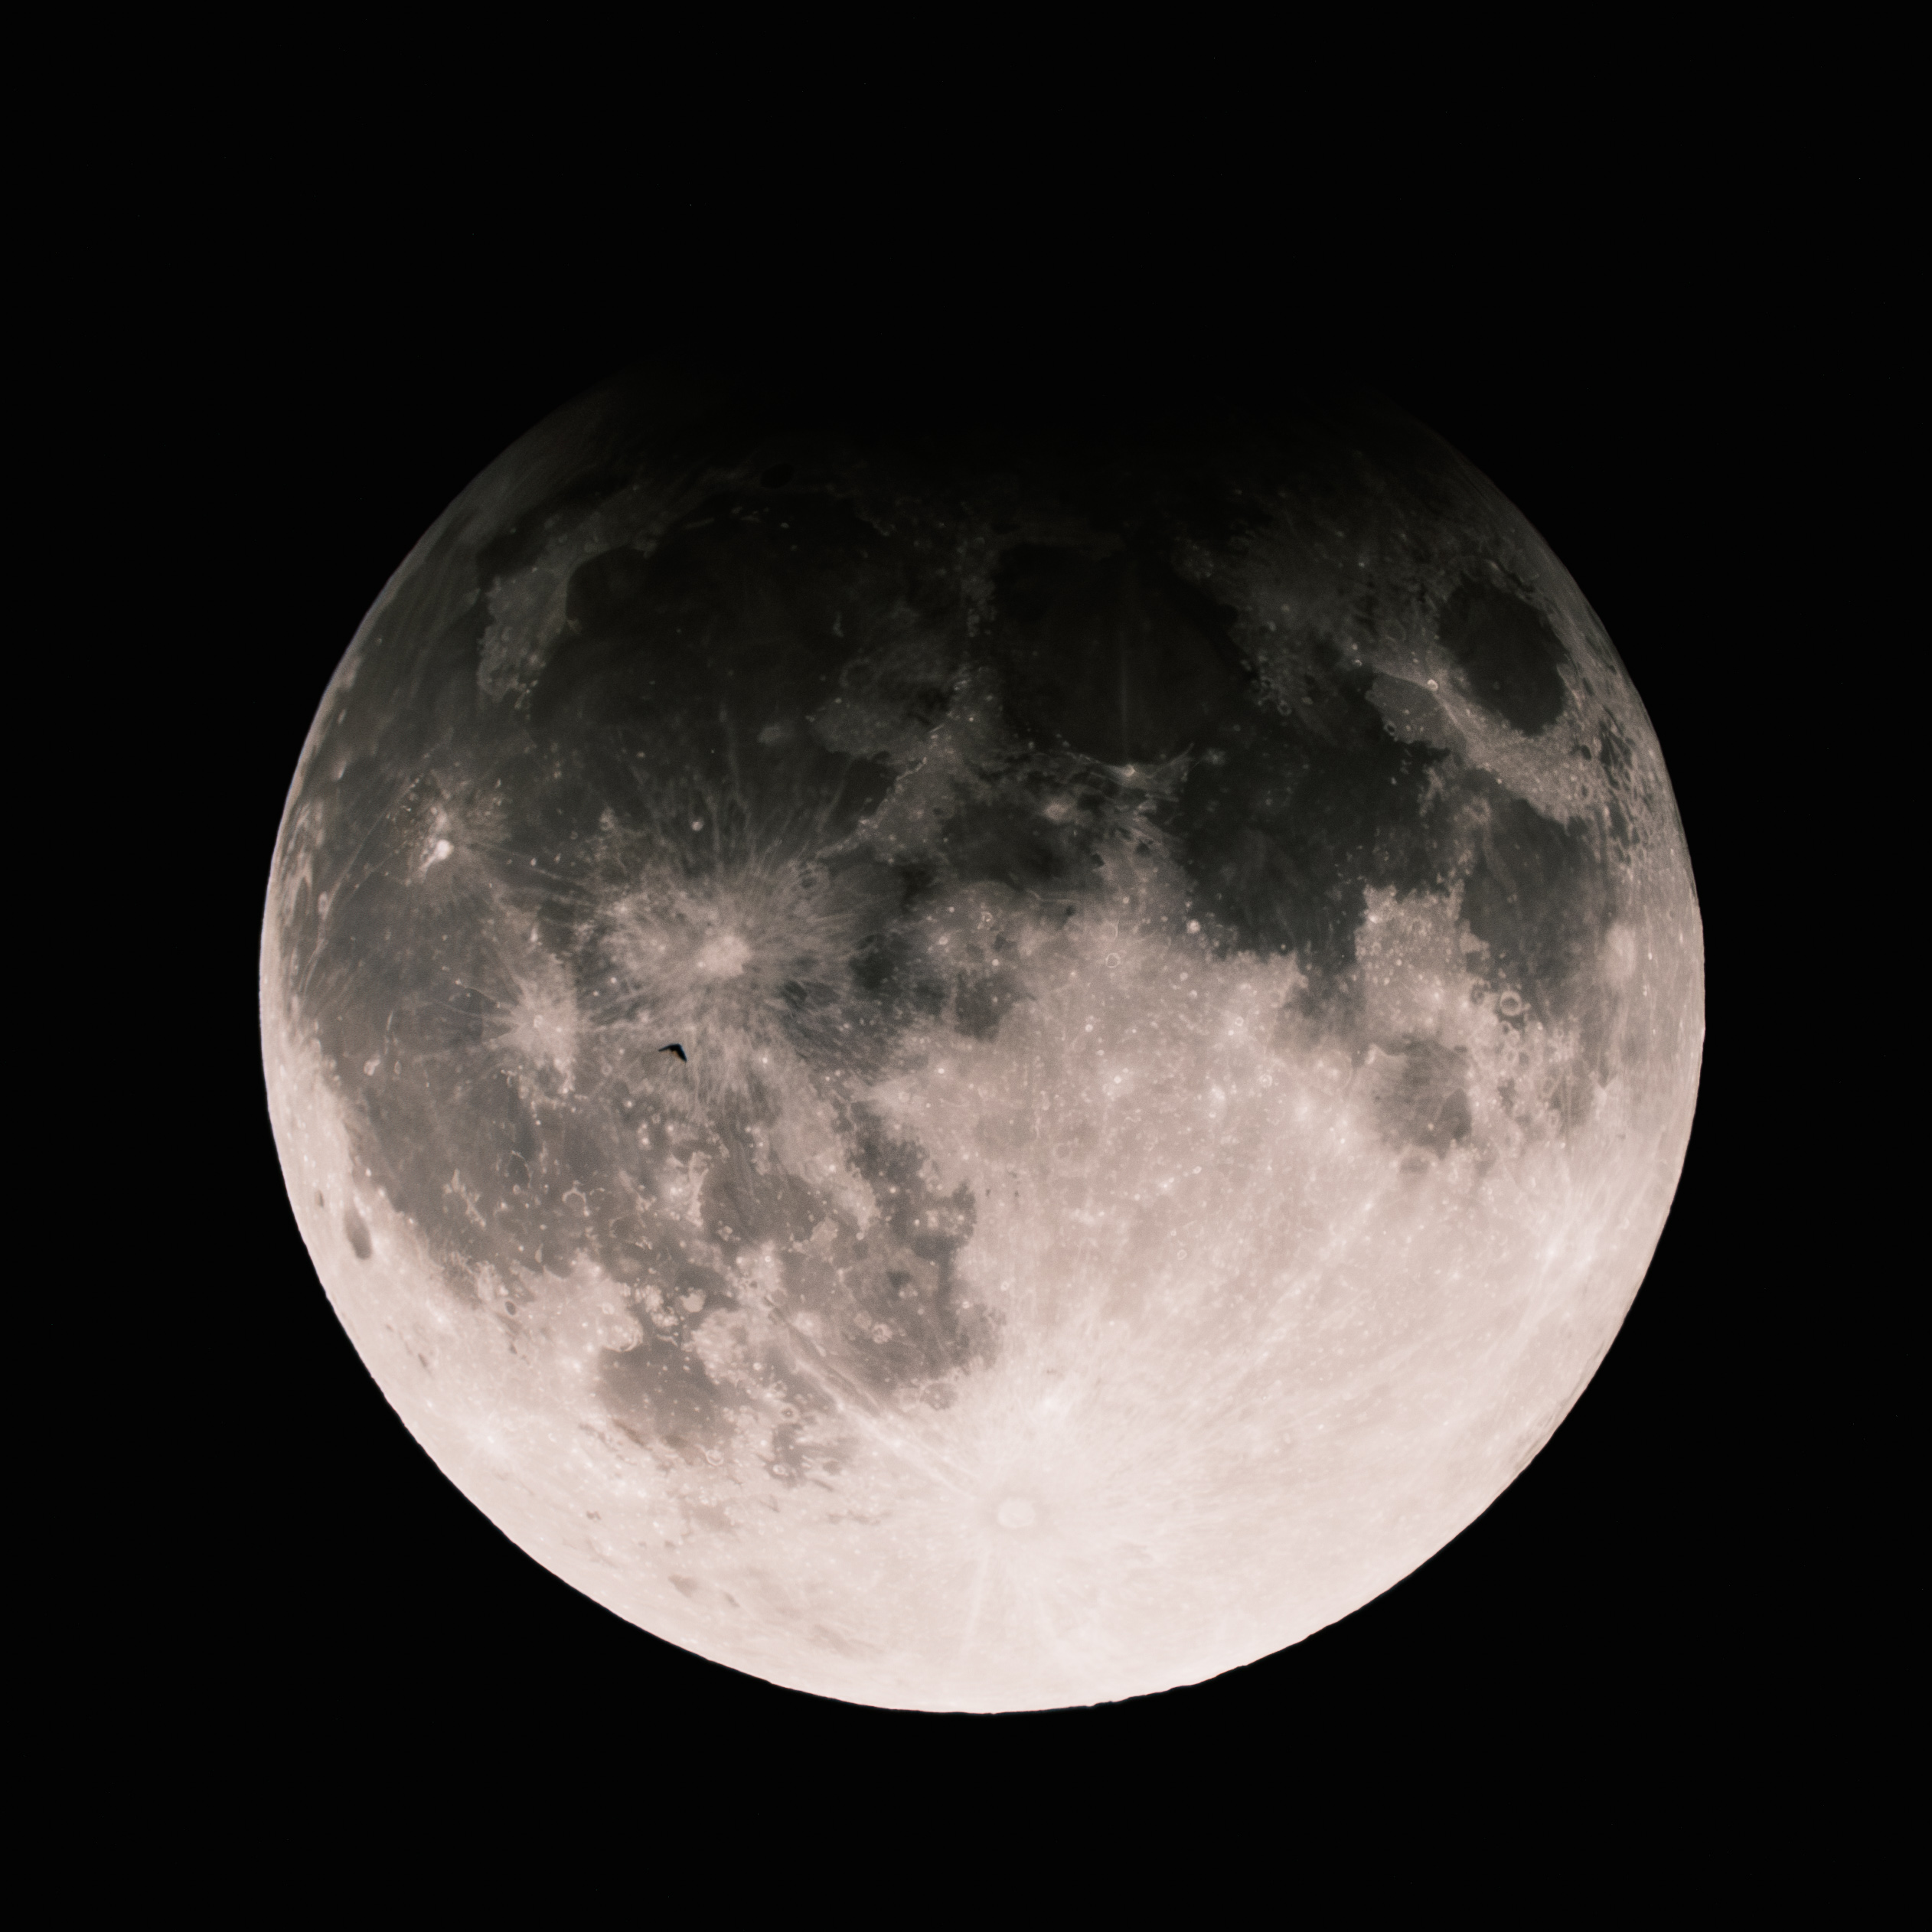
674 1048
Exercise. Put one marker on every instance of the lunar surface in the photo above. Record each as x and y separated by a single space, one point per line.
1190 990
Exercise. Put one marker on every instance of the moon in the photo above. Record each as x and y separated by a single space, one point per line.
1190 995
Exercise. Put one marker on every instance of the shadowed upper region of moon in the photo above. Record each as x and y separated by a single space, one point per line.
1011 826
1116 656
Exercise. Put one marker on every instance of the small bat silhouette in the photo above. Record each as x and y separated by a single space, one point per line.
674 1048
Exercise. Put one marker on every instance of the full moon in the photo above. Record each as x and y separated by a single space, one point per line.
1188 992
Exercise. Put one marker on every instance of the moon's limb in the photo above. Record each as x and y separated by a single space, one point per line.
1192 1007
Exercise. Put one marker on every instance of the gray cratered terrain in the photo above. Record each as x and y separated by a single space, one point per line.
1191 993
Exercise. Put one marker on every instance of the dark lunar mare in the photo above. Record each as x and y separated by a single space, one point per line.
761 643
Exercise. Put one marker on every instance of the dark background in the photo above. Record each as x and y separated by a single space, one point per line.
1619 364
